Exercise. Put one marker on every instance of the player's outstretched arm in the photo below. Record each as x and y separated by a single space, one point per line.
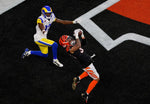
65 21
78 43
76 46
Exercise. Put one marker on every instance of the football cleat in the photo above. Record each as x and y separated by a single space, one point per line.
26 53
57 63
84 96
75 82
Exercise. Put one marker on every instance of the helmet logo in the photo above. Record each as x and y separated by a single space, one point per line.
66 41
46 10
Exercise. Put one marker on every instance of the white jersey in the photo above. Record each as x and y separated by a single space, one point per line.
47 23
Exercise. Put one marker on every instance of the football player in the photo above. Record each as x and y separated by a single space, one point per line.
40 38
73 47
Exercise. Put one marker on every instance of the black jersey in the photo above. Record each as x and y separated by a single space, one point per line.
84 59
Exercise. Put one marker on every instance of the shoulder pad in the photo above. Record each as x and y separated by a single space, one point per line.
39 20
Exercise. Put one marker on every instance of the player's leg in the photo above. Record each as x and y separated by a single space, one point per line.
39 53
43 50
77 79
95 76
43 45
54 45
42 53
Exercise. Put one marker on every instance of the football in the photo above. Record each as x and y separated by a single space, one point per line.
80 32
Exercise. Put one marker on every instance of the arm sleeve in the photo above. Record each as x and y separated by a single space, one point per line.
54 17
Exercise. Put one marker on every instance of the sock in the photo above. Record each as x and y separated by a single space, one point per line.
54 50
39 53
91 86
83 75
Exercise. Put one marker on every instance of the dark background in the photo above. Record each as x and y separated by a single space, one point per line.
124 70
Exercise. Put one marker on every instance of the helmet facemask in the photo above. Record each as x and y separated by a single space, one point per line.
46 11
66 41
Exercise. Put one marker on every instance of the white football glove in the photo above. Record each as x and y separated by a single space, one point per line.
76 21
76 35
76 31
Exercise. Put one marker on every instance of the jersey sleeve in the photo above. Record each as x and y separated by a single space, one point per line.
54 20
53 17
39 20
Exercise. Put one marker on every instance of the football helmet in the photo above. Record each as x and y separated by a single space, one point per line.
46 9
66 41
